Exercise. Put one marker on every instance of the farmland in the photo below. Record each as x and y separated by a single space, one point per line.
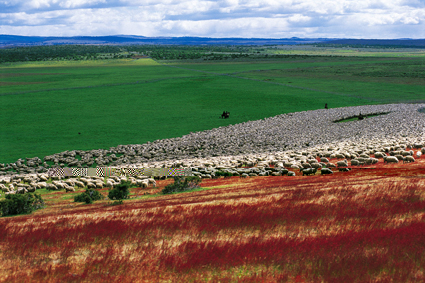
366 225
131 101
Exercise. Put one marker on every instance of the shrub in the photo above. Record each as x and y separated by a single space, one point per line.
88 196
21 204
179 186
226 174
120 191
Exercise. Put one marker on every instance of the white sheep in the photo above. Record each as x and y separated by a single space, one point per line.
79 184
51 187
390 159
41 185
379 154
4 188
342 163
316 165
408 159
405 153
90 185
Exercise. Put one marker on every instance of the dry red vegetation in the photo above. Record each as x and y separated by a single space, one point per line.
366 225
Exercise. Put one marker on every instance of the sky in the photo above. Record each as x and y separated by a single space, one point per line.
379 19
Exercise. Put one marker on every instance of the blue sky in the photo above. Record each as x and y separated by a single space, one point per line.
224 18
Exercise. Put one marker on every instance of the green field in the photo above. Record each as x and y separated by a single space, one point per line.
44 105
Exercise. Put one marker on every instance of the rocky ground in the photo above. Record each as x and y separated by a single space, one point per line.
289 140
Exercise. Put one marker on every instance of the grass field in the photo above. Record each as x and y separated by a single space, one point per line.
44 105
366 225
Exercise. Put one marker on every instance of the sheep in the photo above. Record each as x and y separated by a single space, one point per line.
354 162
41 185
90 185
243 175
79 184
69 188
316 165
408 159
331 165
290 173
344 169
309 171
418 154
99 185
325 171
306 165
145 183
379 154
399 157
342 163
58 184
324 159
390 159
339 155
152 181
31 189
70 182
405 153
4 188
51 187
43 178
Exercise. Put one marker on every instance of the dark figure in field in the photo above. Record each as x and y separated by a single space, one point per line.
225 114
360 116
326 106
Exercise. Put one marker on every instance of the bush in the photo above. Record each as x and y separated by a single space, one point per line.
223 173
179 186
88 196
21 204
121 191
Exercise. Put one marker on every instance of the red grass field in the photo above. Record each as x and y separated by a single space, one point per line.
366 225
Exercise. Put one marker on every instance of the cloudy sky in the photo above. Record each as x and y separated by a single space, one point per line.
222 18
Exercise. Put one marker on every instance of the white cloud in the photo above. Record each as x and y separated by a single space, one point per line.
222 18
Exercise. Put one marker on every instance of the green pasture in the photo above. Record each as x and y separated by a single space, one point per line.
44 105
346 51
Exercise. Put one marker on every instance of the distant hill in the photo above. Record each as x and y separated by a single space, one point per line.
380 42
14 40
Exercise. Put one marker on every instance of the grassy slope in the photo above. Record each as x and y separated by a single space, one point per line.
126 102
358 226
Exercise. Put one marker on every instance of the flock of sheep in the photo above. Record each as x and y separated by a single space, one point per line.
30 183
297 141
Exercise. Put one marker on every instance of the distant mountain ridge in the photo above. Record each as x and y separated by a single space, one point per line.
16 40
